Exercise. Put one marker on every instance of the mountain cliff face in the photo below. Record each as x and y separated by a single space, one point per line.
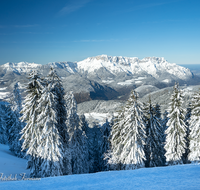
102 77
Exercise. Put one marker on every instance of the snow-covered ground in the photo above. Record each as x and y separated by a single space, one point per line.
184 177
10 164
3 95
99 117
3 88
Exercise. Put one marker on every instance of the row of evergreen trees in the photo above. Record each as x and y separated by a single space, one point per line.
56 141
139 137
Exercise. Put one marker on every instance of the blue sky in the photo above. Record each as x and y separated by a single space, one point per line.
45 31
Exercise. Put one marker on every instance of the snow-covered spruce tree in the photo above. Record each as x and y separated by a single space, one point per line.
83 125
194 147
14 131
93 135
94 139
187 122
154 150
3 135
78 139
58 90
115 139
157 111
176 132
50 149
31 132
9 119
164 128
128 136
164 124
104 146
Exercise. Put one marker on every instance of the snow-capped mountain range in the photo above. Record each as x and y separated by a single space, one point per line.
113 64
110 76
133 65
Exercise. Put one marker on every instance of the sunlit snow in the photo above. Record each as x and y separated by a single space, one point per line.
4 95
179 177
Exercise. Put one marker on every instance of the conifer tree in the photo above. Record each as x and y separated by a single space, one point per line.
116 146
164 128
157 111
3 135
176 132
14 131
92 153
78 142
154 150
187 122
31 132
62 128
128 136
50 149
104 146
84 139
164 124
194 136
83 123
9 119
94 138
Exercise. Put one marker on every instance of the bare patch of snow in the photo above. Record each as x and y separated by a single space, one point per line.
166 81
137 82
4 95
127 82
107 81
100 117
3 88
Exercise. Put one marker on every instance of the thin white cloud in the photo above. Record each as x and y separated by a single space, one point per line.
73 6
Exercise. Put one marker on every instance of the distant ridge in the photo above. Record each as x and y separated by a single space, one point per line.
102 77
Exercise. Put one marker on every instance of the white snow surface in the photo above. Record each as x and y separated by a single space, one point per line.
179 177
127 82
68 66
100 117
4 95
3 88
10 164
166 81
107 81
131 81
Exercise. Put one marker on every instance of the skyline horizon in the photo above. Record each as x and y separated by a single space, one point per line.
180 64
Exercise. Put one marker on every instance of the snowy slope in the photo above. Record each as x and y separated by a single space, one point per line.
10 164
171 177
67 66
180 177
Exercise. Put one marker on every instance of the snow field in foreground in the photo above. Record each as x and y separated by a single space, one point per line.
10 164
172 177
